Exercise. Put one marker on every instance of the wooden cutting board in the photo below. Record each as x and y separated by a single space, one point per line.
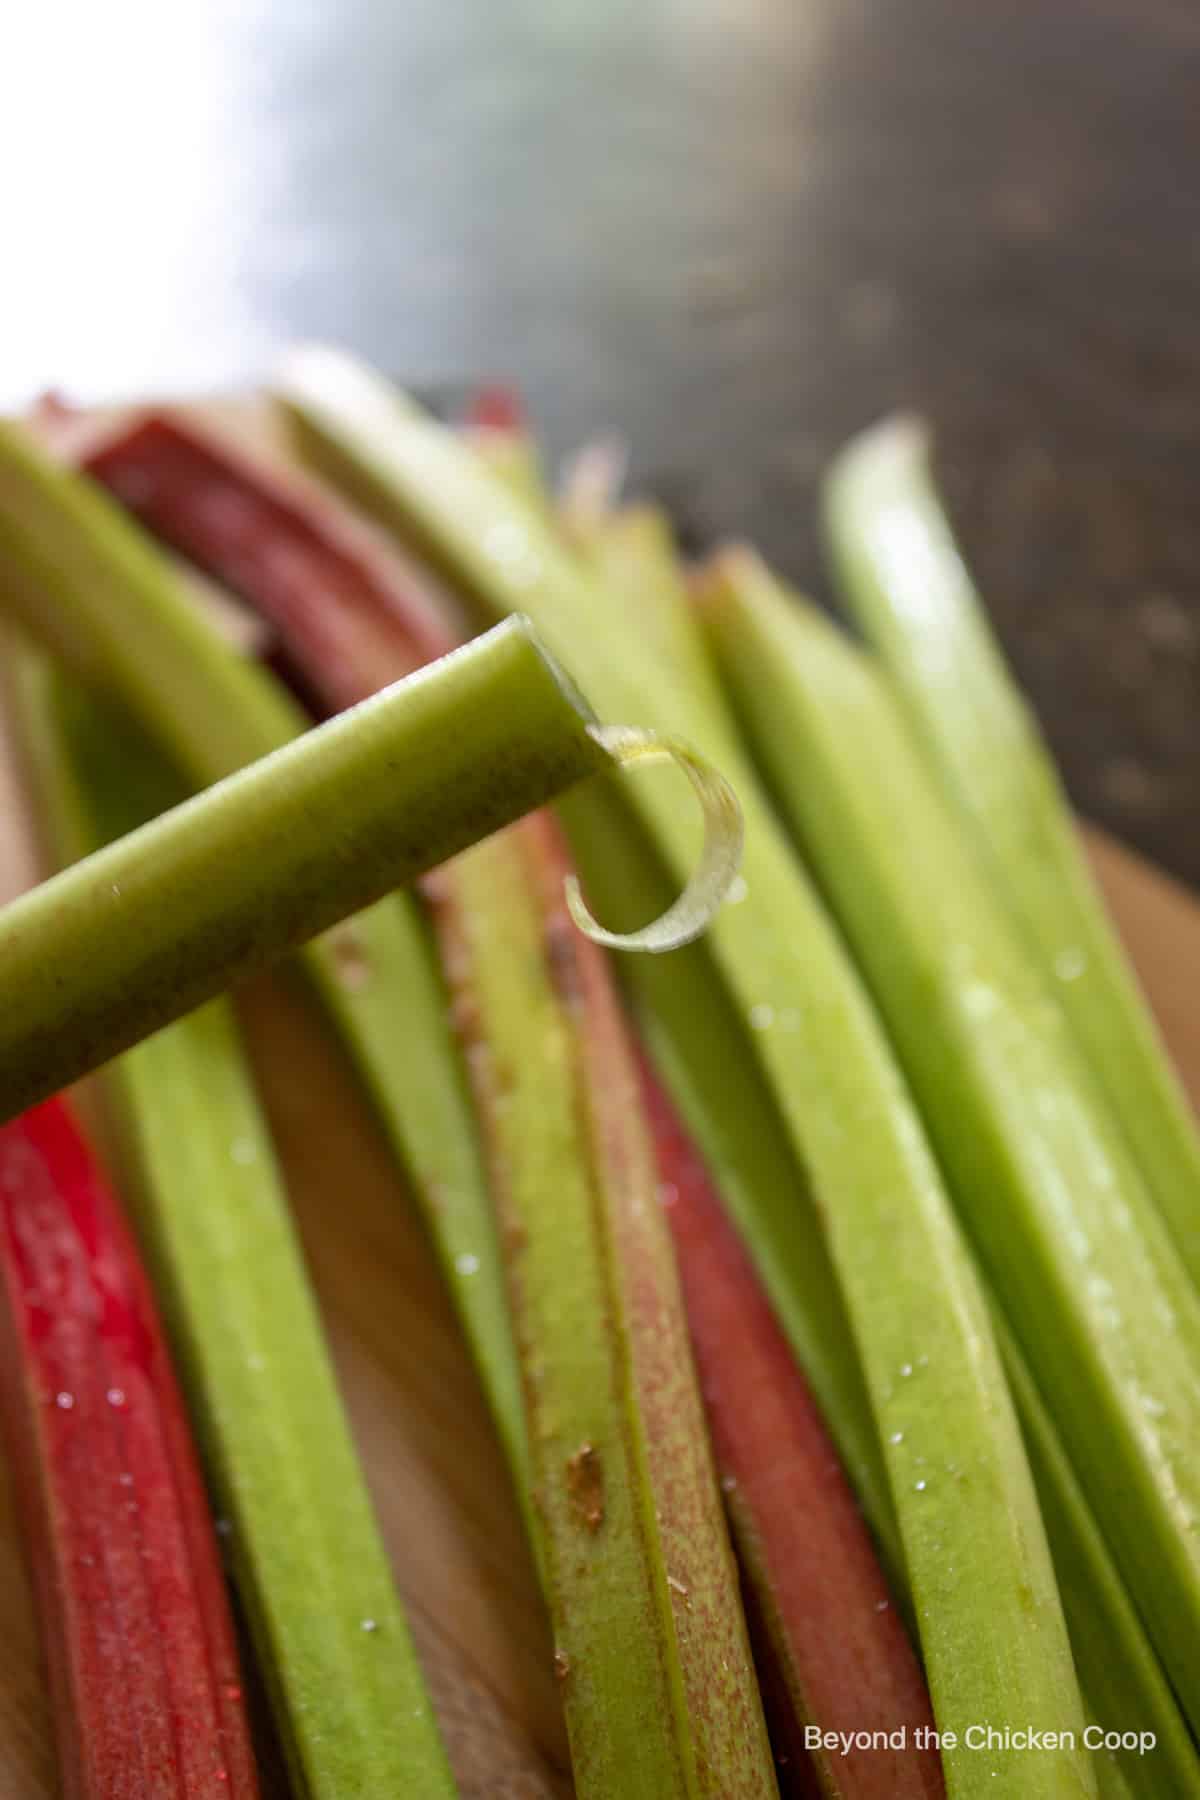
435 1469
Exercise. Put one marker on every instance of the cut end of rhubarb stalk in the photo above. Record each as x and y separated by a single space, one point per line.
720 858
496 407
591 483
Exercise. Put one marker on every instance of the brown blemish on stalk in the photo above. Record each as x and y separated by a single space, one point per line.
562 1665
465 1019
585 1487
350 957
515 1236
561 942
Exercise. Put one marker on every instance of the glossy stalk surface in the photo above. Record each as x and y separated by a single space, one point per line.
905 579
1077 1254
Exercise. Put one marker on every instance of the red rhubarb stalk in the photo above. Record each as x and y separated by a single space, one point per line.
835 1637
298 556
496 427
127 1574
495 407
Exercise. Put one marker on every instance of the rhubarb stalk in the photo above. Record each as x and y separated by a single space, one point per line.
328 1627
149 927
632 550
1121 1677
143 1662
906 581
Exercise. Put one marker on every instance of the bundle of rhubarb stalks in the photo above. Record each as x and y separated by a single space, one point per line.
831 1281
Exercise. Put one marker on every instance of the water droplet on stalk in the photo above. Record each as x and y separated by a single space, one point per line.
1069 965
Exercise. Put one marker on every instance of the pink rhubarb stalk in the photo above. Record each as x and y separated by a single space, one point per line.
495 407
127 1574
300 557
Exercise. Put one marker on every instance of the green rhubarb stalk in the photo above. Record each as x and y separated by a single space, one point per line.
1111 1783
97 593
512 456
328 1628
632 550
657 1681
1078 1256
908 586
991 1629
152 925
118 612
1122 1680
727 1104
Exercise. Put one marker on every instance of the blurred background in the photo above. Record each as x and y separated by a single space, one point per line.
732 230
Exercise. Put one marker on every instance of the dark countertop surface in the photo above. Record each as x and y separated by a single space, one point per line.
734 230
